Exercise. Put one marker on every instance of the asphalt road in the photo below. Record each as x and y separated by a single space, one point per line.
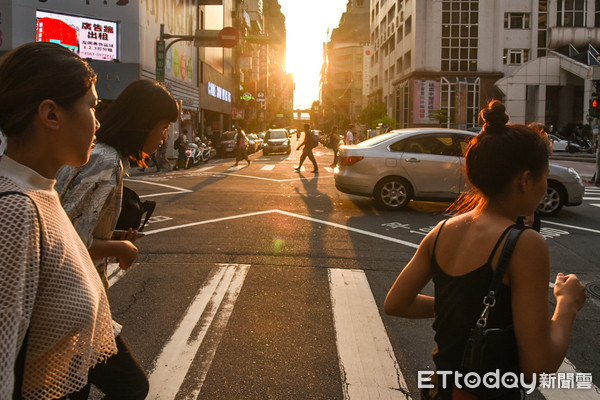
257 282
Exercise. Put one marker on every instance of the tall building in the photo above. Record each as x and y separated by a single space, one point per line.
435 59
119 37
344 87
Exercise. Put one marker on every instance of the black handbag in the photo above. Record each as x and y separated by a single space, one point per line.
133 210
20 361
489 349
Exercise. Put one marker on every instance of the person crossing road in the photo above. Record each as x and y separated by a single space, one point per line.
309 143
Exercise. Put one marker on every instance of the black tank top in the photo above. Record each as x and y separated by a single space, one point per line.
459 303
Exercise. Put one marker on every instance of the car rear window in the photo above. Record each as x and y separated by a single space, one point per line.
276 135
376 140
228 136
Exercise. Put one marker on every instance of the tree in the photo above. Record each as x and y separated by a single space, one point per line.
371 113
441 116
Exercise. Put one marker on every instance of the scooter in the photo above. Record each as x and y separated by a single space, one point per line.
200 152
583 145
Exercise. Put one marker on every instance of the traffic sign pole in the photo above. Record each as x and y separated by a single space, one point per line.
160 60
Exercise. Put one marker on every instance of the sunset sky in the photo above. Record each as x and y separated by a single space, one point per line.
307 22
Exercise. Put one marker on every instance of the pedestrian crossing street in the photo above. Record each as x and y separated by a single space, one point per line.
366 358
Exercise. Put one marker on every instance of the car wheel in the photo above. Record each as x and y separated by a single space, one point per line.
571 149
553 200
265 153
393 193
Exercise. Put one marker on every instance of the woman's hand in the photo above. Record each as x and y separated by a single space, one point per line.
127 253
569 288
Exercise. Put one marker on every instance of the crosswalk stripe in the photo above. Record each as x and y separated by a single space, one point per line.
176 357
557 393
268 167
367 362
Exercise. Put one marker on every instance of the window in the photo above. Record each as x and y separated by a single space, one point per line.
543 27
360 3
571 12
408 26
460 31
515 56
407 61
597 14
516 20
441 145
460 98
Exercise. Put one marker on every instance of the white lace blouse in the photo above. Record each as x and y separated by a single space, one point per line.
60 300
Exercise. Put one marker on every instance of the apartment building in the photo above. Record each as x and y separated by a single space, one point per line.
344 86
441 61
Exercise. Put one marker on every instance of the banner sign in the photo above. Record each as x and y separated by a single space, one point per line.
88 37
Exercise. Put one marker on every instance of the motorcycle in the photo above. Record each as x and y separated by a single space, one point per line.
200 152
583 145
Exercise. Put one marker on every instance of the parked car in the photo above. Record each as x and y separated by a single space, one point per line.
558 144
277 141
225 144
428 164
257 142
252 143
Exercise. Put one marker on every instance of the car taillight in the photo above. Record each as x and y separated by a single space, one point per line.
350 160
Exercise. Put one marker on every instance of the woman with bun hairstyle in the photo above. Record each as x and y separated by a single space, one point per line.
55 318
507 165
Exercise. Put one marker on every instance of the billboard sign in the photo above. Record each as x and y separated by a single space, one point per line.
88 37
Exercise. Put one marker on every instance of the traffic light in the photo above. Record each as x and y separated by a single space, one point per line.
594 107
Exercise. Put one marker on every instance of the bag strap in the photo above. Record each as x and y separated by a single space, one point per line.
509 246
20 361
149 207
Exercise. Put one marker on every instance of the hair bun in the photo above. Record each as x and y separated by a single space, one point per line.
494 115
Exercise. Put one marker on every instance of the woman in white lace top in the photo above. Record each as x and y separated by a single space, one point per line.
52 302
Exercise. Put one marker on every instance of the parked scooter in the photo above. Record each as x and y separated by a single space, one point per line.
579 145
200 152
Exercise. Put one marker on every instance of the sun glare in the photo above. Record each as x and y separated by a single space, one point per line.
307 24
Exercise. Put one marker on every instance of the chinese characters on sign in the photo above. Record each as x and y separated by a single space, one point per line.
426 99
90 38
219 92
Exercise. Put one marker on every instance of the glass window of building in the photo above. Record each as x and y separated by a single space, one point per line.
571 13
516 20
460 31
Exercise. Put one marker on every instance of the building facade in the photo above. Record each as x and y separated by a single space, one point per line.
344 86
121 37
440 62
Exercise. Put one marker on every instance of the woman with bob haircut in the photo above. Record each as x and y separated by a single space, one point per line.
56 320
507 165
131 128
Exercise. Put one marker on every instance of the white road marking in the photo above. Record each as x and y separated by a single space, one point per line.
368 366
210 221
268 167
592 198
556 393
114 273
176 357
572 226
595 205
179 190
328 169
333 224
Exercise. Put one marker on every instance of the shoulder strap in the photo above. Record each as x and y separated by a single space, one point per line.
505 256
19 369
500 241
509 246
438 235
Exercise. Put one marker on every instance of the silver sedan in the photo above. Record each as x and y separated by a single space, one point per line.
428 164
